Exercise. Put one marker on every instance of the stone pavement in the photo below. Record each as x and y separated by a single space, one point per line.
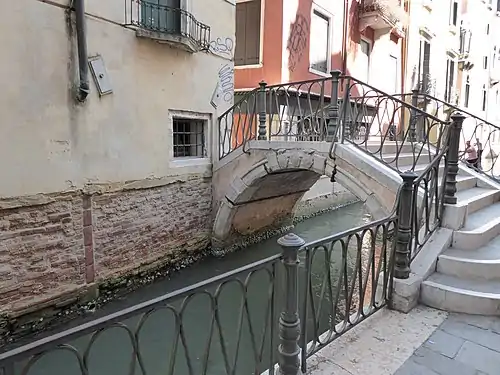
462 345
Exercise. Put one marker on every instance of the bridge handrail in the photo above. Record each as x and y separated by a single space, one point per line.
38 348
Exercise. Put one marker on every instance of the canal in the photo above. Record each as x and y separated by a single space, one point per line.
239 344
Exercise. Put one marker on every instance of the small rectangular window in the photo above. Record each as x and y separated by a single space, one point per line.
485 62
319 49
467 92
454 13
189 138
484 100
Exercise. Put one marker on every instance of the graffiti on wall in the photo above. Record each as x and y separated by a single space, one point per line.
223 47
224 89
297 41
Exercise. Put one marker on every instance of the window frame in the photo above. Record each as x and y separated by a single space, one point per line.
370 49
484 99
329 16
261 36
454 18
206 118
395 58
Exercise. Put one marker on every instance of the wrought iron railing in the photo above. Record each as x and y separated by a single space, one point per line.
354 283
483 135
389 127
156 17
219 326
288 112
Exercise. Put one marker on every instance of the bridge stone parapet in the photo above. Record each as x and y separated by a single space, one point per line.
258 189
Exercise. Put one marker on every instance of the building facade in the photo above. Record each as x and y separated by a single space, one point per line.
288 41
99 187
480 68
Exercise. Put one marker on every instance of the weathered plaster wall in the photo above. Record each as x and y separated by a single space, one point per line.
92 191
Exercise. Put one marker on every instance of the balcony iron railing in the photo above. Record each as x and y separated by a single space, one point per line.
168 23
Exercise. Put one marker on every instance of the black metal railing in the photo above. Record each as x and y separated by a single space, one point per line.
223 325
389 127
481 134
354 282
160 18
288 112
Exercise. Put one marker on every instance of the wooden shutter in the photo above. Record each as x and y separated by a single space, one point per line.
247 50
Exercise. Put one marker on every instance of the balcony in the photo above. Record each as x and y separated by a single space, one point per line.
382 15
171 25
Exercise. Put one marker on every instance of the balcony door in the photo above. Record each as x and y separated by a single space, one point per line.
161 15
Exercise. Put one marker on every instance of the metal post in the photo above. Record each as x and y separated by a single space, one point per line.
413 116
333 110
261 109
452 157
289 323
346 124
403 235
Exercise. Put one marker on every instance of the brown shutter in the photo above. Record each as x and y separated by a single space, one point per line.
239 53
252 32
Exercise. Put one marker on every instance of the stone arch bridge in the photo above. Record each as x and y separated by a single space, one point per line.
258 189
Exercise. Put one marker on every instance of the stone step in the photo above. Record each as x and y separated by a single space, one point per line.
389 147
465 182
477 198
455 294
479 229
480 264
405 160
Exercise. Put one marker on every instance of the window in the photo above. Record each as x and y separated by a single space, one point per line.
484 99
467 93
454 12
319 44
161 15
424 67
485 62
247 51
189 138
450 78
488 29
394 67
363 60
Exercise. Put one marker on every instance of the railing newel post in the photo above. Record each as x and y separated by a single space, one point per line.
289 322
333 109
262 111
403 234
452 158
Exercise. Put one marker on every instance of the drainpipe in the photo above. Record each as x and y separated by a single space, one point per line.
81 38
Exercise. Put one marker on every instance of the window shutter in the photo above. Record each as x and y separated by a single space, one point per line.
252 28
239 53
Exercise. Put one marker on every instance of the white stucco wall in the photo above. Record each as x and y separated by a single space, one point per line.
444 40
48 143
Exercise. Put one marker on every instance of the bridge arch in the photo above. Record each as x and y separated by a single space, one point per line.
264 195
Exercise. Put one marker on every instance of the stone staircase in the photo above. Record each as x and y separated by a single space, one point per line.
466 276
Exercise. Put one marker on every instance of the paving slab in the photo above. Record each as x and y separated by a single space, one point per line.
462 345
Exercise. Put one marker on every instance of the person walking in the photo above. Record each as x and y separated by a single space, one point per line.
471 152
479 147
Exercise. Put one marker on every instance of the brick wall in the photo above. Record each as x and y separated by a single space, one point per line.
41 253
58 248
140 227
